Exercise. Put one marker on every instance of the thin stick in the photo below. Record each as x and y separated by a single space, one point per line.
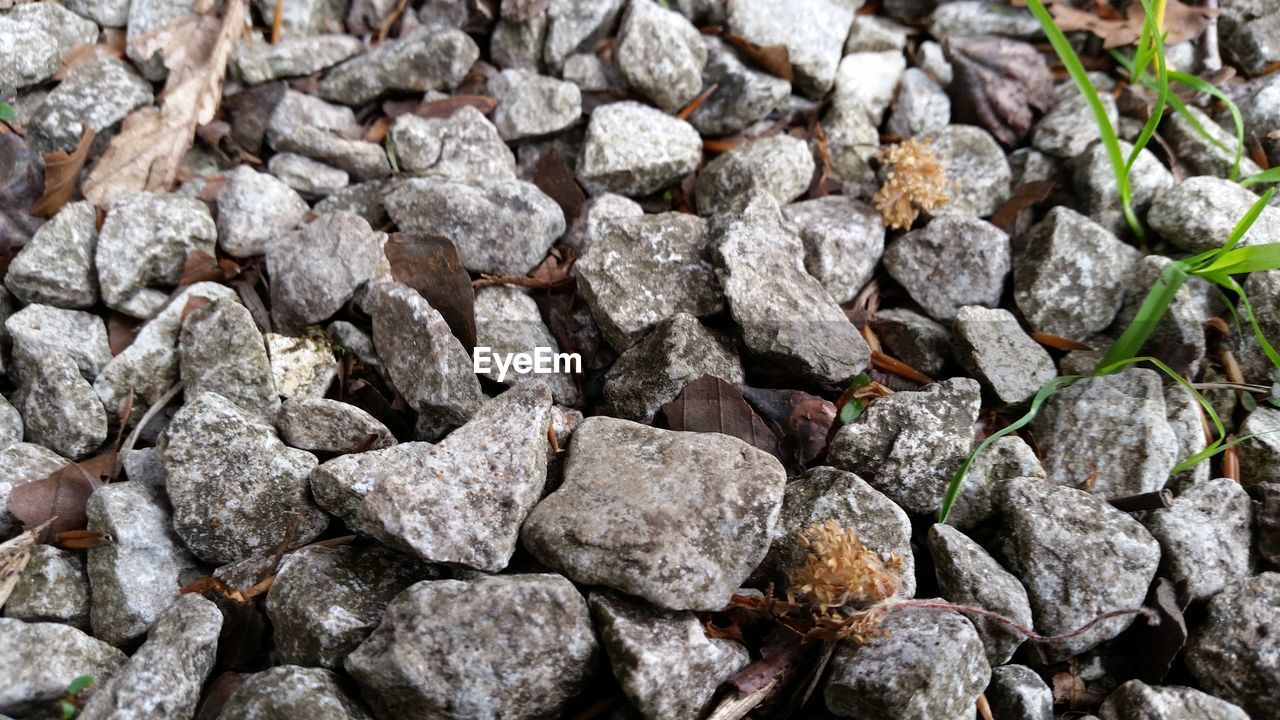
277 22
151 412
1023 630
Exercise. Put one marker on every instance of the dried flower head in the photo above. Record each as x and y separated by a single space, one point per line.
840 571
915 181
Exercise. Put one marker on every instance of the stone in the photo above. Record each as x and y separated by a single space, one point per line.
1259 456
322 425
465 500
934 62
532 105
341 484
926 664
1136 699
814 32
1184 413
1263 290
575 26
968 575
503 646
301 367
517 45
51 588
98 95
423 59
868 81
285 692
1260 108
346 337
843 241
677 518
56 266
786 316
1095 183
781 166
38 660
508 321
993 347
923 106
980 17
220 350
1070 126
872 33
919 341
978 174
500 227
590 73
253 210
232 482
825 493
654 371
464 147
1204 536
309 177
326 601
144 466
852 142
661 54
1254 43
597 218
1199 213
21 463
1178 339
633 150
164 677
40 333
1111 563
60 409
643 270
950 263
136 577
1069 279
743 94
11 428
145 241
261 61
909 444
668 668
1233 653
1007 457
35 37
1016 691
426 363
1197 154
107 13
307 286
308 126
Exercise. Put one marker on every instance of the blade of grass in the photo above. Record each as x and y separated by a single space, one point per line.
1204 402
1149 315
1151 39
1267 348
1266 176
1204 86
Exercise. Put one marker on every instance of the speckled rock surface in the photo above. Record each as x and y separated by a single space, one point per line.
661 54
56 267
289 691
814 32
1017 691
968 575
320 424
632 149
530 105
993 347
978 174
843 241
781 166
339 485
254 209
306 286
1199 214
38 660
950 263
1234 653
220 350
464 147
301 367
508 321
656 369
1204 536
1136 699
1260 454
53 587
422 59
59 408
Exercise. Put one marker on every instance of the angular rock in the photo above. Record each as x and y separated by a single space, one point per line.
34 56
1008 457
1184 413
1095 183
843 241
968 575
107 13
309 126
508 321
1204 536
1233 653
340 485
978 175
260 61
576 26
814 32
51 588
1199 213
654 371
1136 699
679 519
1199 155
1260 455
590 73
867 82
661 54
38 660
253 210
464 147
743 94
780 166
21 463
950 263
307 176
11 429
288 691
301 367
1070 126
632 149
60 409
98 95
919 341
307 286
871 33
322 425
517 45
922 107
1178 338
422 59
40 333
220 350
1254 43
304 17
56 266
1016 691
979 17
993 347
145 17
531 105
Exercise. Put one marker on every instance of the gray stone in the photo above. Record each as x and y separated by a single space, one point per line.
21 463
508 321
677 518
1016 691
233 484
993 347
1070 126
340 485
504 646
576 26
11 428
296 111
814 32
950 263
307 286
1199 213
1184 413
1135 699
146 17
501 227
1260 455
253 210
867 82
596 219
35 36
107 13
531 105
322 425
934 62
590 73
917 340
909 444
927 664
852 141
1178 338
261 61
633 149
1204 536
326 601
346 337
872 33
978 174
968 575
145 241
1008 457
306 125
517 45
464 147
98 95
1260 107
655 370
40 333
301 367
309 177
1233 653
427 364
922 107
135 577
1263 290
668 668
60 409
1196 153
427 58
843 241
287 692
781 166
466 499
743 95
981 17
1069 279
1111 562
1095 182
56 266
39 660
647 269
661 54
144 466
51 588
1254 43
785 315
220 350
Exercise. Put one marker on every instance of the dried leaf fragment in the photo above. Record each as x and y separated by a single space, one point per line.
915 181
430 265
61 172
710 404
773 59
1181 22
14 555
998 83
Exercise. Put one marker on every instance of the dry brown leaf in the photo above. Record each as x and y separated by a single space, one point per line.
430 265
84 53
61 171
147 152
60 497
1024 196
710 404
1181 22
773 59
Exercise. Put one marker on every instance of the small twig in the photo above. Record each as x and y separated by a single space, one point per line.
1157 500
1212 58
697 102
984 707
521 281
1023 630
387 24
151 412
1244 387
880 361
277 22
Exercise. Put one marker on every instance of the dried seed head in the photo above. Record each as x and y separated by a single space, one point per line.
915 181
840 571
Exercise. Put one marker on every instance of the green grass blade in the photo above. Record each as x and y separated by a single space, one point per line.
1242 260
1242 227
1267 348
1150 39
1266 176
1181 108
1204 402
1204 86
7 112
1149 315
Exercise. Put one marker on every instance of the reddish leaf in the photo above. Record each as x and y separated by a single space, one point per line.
998 84
553 177
218 693
805 418
81 539
780 651
773 59
60 496
710 404
430 265
62 175
201 267
1025 196
121 331
1161 643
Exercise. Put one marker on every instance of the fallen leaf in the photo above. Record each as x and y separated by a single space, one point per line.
20 184
781 649
81 539
148 151
997 84
1058 343
1267 514
217 694
556 180
59 497
203 267
121 331
899 368
1181 22
710 404
85 53
773 59
430 265
804 419
1024 196
14 555
61 172
697 102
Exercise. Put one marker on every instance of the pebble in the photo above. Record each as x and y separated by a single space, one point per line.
1200 156
34 37
261 61
950 263
515 45
968 575
1254 43
1233 654
146 17
56 266
575 26
868 81
309 177
781 166
301 18
843 241
1008 457
814 32
990 344
654 371
1260 109
52 587
40 333
871 33
307 286
1204 536
1136 699
464 147
532 105
107 13
322 425
37 660
11 429
98 95
301 367
289 691
508 321
308 126
978 174
918 340
1095 183
743 95
923 106
1016 691
1070 126
60 409
980 17
220 350
1259 456
423 59
253 210
341 484
1199 214
632 149
661 54
852 142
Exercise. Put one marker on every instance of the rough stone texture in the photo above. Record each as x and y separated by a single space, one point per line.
220 350
1200 156
1261 112
261 61
575 26
530 105
743 96
98 95
319 424
781 166
253 210
643 270
427 364
307 286
929 664
464 147
38 660
1016 691
1095 182
814 32
304 17
516 45
825 493
11 428
325 601
980 17
1234 652
467 497
232 482
136 577
145 241
287 692
852 139
978 174
679 519
501 227
309 126
1069 280
1254 43
34 56
164 677
1008 457
870 33
785 315
1263 290
41 333
145 17
1178 338
301 367
922 107
661 54
843 241
508 321
309 177
21 463
633 149
1199 213
1136 699
993 347
1260 454
916 339
950 263
504 646
1077 556
867 82
427 58
1204 537
656 369
668 668
909 444
1183 411
1070 126
339 485
56 266
107 13
59 408
52 587
1115 426
968 575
